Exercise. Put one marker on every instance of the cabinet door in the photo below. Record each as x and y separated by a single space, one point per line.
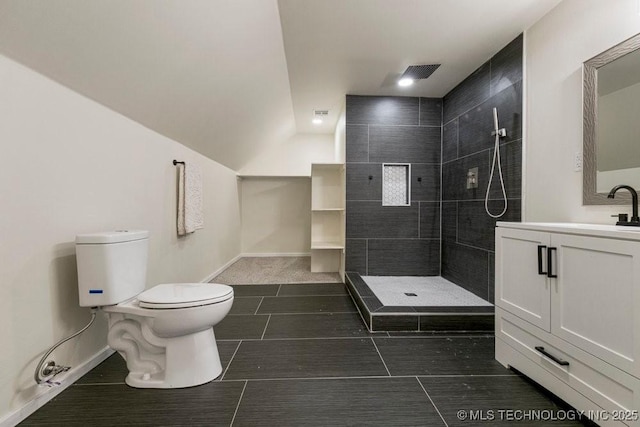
596 297
520 289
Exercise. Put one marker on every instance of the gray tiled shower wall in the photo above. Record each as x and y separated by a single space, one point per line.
393 240
442 139
467 231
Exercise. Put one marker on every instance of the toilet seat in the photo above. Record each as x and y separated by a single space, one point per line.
184 295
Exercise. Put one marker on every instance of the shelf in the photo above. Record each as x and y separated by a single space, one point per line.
272 176
327 165
327 245
327 217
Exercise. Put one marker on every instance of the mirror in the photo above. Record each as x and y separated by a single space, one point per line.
611 123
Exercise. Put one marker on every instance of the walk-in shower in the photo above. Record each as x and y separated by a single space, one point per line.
420 247
425 303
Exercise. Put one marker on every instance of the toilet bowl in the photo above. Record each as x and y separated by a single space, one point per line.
164 333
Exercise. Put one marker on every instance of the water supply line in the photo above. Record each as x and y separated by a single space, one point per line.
46 370
496 159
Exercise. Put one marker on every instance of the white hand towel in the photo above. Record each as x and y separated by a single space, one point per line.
190 209
181 231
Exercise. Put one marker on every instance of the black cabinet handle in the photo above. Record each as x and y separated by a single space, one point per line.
552 357
550 251
540 249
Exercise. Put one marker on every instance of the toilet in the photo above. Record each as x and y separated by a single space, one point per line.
164 333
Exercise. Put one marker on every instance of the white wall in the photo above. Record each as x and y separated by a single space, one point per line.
340 137
276 215
608 179
293 157
276 193
618 125
556 46
69 166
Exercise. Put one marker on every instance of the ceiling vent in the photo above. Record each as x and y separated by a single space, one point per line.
319 116
417 72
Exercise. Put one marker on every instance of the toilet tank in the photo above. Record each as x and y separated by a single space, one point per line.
112 266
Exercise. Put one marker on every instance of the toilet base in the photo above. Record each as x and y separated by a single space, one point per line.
167 348
189 361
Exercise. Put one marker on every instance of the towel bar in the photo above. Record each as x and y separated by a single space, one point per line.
175 163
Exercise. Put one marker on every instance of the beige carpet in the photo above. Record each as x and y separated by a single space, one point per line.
273 270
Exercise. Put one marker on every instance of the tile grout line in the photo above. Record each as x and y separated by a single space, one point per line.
432 402
419 220
380 334
259 304
457 116
238 405
412 163
459 157
366 255
265 328
365 377
460 200
368 146
294 313
92 384
279 287
400 125
230 360
409 238
440 206
294 296
282 281
378 351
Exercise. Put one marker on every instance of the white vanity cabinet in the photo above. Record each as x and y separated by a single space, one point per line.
568 311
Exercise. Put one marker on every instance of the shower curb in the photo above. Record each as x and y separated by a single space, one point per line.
436 320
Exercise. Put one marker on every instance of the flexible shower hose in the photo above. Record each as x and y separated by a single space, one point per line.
496 159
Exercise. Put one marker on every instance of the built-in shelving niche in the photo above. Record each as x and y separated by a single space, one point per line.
328 218
396 184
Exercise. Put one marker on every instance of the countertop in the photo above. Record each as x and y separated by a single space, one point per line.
597 230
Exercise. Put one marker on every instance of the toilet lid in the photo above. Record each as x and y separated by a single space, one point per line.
183 295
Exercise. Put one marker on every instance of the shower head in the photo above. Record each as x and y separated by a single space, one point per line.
496 130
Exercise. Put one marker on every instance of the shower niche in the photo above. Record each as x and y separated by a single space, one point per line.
396 184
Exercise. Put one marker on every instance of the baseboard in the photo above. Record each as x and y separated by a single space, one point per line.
48 393
221 269
274 254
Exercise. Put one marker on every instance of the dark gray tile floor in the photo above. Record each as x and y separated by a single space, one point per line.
291 361
307 304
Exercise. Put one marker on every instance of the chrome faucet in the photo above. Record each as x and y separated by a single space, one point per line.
634 204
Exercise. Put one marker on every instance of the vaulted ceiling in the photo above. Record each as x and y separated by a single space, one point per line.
233 78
